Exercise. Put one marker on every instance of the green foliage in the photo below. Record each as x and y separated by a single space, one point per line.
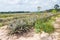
44 25
38 26
54 11
48 27
1 24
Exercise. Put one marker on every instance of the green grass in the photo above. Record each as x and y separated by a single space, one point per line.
45 25
1 24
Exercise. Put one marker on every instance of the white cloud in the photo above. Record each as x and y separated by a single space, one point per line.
13 1
26 4
54 0
9 1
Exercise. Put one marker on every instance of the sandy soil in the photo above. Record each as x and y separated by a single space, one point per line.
28 36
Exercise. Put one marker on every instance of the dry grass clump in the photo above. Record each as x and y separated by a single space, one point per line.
21 25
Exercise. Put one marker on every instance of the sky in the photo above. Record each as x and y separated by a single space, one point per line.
27 5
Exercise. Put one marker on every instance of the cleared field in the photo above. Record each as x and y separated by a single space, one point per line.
6 18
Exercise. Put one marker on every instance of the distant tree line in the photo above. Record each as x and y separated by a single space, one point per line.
15 12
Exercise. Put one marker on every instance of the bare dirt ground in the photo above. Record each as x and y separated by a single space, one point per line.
30 36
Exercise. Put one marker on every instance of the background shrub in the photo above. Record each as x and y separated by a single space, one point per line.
54 11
